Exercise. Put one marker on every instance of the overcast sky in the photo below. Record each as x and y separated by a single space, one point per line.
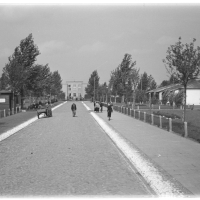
78 39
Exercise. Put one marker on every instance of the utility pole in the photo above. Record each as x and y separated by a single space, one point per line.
13 101
94 89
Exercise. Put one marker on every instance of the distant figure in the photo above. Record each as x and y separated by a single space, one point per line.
73 108
97 107
101 105
48 108
109 110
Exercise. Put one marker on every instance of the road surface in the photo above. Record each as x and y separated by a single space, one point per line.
66 155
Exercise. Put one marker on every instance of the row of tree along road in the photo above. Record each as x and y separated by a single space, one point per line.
23 76
182 63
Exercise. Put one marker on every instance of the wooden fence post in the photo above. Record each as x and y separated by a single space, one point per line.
170 124
4 113
144 116
185 129
139 115
152 119
160 121
134 113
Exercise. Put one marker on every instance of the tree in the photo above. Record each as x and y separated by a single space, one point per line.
164 83
144 82
173 80
183 62
3 82
18 69
61 96
119 82
151 83
102 91
37 80
56 86
141 96
125 67
115 82
135 78
93 85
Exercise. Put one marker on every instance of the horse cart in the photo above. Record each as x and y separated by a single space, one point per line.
44 110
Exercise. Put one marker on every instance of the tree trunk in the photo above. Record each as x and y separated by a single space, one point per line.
22 98
133 105
184 103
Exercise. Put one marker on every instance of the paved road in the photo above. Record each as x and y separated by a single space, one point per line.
63 155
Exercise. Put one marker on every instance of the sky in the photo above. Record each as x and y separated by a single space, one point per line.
77 39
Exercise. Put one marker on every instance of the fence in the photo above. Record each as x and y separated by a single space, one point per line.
171 125
8 112
153 106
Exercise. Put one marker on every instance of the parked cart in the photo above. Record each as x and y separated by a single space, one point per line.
45 110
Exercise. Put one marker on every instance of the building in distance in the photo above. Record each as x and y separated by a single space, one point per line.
75 90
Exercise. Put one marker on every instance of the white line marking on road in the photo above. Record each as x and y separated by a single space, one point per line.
86 106
154 178
8 133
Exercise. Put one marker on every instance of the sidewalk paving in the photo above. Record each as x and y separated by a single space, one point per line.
177 156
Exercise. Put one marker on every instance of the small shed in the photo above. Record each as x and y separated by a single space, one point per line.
6 100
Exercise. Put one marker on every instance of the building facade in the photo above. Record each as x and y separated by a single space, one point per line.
192 91
75 90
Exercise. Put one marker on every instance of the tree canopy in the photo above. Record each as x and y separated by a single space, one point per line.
23 76
183 62
93 85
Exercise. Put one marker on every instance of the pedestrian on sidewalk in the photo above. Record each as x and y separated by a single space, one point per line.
101 105
109 110
73 108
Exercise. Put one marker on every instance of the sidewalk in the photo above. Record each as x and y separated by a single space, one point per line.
12 121
175 155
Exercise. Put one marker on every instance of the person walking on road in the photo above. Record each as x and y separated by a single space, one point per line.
109 110
73 108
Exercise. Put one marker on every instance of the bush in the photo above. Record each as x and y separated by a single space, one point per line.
167 115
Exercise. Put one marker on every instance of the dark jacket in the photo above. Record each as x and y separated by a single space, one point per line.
109 108
73 107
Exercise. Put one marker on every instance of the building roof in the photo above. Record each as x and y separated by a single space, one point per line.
192 84
5 91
